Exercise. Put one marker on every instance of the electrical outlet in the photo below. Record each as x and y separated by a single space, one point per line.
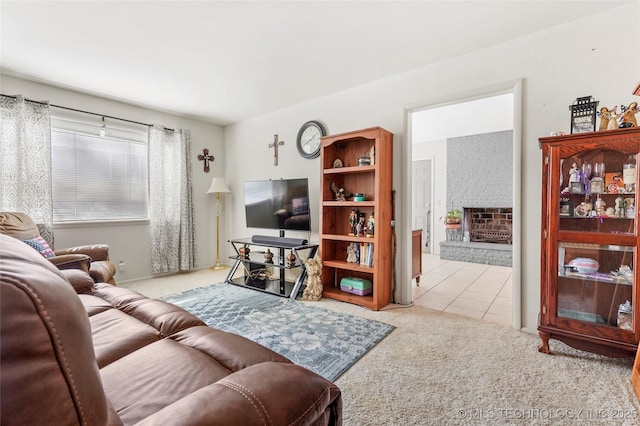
121 265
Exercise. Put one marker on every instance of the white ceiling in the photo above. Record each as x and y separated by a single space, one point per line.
224 62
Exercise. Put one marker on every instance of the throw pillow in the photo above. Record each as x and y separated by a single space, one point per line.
41 246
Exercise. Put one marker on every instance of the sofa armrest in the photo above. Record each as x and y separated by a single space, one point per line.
95 251
266 393
103 272
72 261
80 280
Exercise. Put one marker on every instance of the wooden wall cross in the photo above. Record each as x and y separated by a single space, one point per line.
206 157
276 143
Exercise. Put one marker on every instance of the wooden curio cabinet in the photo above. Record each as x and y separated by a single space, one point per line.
344 165
590 242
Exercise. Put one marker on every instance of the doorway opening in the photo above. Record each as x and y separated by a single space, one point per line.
430 127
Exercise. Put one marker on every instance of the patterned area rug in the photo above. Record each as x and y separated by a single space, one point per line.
323 341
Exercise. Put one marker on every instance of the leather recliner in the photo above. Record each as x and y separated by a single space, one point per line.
105 355
93 259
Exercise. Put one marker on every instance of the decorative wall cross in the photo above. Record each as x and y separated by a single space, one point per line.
276 143
206 157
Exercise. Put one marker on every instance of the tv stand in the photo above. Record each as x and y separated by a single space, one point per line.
280 276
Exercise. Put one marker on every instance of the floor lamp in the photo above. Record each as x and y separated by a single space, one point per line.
218 186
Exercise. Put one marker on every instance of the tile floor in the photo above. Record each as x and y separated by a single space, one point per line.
478 291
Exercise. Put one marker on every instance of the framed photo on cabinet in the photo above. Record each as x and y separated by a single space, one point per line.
566 208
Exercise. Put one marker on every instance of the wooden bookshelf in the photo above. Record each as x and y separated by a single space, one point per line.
375 183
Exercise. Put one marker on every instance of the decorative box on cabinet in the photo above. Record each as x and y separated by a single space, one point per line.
589 252
342 167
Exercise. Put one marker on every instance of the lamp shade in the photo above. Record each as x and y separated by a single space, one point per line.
218 185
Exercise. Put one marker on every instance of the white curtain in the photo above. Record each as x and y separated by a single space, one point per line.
25 161
173 245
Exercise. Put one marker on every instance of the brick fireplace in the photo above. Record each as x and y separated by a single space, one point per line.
479 182
489 224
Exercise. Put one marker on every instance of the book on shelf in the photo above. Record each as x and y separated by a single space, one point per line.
366 254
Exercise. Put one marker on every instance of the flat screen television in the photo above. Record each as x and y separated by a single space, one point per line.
278 204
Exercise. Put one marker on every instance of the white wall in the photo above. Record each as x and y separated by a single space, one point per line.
475 117
437 150
556 66
130 242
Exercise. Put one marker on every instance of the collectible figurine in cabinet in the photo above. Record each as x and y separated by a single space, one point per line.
361 227
620 207
600 206
371 224
573 174
630 210
268 256
353 221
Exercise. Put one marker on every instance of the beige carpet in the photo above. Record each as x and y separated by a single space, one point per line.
443 369
440 369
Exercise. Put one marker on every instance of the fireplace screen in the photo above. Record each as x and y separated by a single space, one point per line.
489 225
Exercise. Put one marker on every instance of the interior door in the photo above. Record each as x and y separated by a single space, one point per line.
421 196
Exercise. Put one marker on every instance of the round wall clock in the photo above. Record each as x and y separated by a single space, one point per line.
308 141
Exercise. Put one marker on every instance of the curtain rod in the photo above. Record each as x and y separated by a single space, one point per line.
86 112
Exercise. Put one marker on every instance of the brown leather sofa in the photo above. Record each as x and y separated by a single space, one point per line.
76 352
93 259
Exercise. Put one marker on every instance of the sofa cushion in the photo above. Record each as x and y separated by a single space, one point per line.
231 350
116 334
157 383
164 317
93 304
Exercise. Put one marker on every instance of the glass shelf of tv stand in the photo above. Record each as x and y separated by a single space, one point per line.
270 276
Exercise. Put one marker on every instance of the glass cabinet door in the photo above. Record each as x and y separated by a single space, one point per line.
595 284
597 192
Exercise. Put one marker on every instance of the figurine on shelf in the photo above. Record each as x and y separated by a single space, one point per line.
371 224
360 227
313 291
613 120
630 210
244 251
340 193
268 256
353 221
605 116
620 207
629 115
372 155
291 259
600 206
573 174
351 253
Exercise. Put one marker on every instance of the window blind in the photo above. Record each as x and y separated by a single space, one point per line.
98 178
